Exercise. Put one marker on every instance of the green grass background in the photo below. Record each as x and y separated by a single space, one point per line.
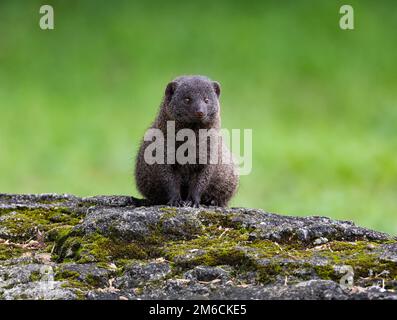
75 101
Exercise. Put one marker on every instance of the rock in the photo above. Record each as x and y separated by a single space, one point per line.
88 273
320 240
139 274
39 290
25 279
388 252
113 247
110 295
207 274
131 223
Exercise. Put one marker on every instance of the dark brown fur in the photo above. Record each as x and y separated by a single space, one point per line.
188 184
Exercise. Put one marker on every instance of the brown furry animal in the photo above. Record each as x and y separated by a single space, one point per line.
192 102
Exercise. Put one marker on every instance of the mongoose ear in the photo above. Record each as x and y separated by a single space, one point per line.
217 87
169 91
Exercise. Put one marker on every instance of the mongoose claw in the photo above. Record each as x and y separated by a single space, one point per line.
192 203
175 202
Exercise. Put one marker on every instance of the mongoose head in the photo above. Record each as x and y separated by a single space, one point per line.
192 100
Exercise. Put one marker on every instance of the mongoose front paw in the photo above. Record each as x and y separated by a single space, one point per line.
175 202
193 201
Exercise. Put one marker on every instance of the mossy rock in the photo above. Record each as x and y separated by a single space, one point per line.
112 247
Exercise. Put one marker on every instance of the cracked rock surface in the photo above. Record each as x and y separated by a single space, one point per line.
113 247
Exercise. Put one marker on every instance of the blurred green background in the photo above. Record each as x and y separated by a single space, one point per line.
75 101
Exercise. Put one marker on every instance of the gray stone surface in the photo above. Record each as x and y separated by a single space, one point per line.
113 247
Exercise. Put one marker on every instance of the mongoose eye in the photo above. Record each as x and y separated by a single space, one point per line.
206 100
187 100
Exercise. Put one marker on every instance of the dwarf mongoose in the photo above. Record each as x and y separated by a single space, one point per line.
191 102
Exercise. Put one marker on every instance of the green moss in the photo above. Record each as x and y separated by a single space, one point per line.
170 212
232 249
23 224
71 280
358 255
355 246
215 248
66 275
268 272
93 280
326 272
59 234
78 287
52 201
279 260
211 218
73 277
106 265
138 291
35 276
9 251
267 248
97 248
364 263
104 249
75 284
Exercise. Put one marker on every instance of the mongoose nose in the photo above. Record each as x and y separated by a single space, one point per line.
199 114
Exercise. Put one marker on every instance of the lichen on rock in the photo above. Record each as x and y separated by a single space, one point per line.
112 247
